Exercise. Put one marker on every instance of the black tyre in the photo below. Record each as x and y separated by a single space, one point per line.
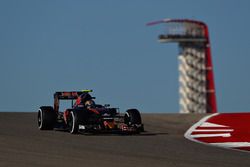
73 122
46 118
132 117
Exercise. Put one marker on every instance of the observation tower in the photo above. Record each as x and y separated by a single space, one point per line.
196 80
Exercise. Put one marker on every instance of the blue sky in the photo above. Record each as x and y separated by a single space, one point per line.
53 45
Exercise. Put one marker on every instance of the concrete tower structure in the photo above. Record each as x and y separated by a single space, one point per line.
196 89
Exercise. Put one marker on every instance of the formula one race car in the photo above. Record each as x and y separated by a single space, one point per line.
87 117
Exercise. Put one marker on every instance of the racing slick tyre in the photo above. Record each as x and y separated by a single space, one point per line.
132 117
46 118
73 122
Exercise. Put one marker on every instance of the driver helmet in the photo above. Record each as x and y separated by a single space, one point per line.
89 103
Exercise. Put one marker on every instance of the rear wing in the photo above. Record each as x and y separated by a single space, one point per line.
69 95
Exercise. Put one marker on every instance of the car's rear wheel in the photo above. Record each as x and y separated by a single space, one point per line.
46 118
132 117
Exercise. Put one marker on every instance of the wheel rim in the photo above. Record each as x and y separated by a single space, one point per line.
40 118
127 119
71 122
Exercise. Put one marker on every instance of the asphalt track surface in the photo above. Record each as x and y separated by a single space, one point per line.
23 145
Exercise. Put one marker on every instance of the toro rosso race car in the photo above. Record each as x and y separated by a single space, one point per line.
87 117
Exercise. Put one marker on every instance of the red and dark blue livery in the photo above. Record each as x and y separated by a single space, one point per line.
85 116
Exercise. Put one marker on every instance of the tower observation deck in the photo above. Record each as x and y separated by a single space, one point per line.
196 80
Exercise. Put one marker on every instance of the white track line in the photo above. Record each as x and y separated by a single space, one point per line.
232 144
212 125
211 135
213 130
192 128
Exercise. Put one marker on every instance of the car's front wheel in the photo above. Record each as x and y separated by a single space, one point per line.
132 117
73 122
